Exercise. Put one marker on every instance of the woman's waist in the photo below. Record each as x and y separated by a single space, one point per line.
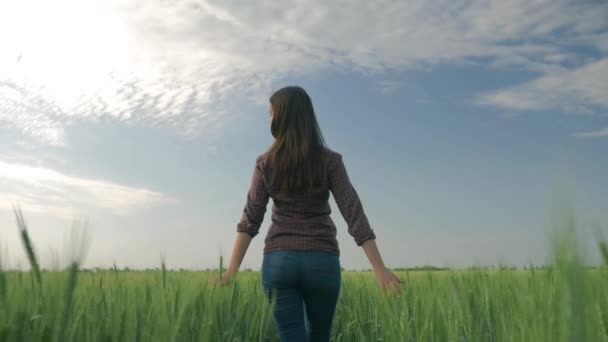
281 218
287 245
308 228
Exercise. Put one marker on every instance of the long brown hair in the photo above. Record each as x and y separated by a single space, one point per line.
295 155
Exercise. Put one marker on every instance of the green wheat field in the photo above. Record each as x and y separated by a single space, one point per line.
560 302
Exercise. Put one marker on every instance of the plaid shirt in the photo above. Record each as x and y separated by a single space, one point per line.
303 222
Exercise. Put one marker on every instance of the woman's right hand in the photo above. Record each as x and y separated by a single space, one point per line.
388 281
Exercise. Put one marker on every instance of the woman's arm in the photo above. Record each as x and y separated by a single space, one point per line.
348 202
251 219
373 254
255 207
386 279
358 226
238 252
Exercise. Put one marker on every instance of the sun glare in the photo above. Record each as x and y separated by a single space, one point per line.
63 49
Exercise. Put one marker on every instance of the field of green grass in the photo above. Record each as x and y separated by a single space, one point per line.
563 302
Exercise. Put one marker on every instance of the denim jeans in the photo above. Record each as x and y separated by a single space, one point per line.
305 286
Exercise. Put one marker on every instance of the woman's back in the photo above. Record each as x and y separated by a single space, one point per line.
303 222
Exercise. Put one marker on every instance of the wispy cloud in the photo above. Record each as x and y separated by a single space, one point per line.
568 90
592 134
387 87
183 63
44 190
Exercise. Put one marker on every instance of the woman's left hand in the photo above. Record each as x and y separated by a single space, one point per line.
226 279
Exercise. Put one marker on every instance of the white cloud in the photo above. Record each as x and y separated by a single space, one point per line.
44 190
593 134
184 63
571 90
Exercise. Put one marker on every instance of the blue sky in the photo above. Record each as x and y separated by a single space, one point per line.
457 121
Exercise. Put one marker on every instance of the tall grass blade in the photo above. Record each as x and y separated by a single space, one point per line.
68 302
163 266
27 244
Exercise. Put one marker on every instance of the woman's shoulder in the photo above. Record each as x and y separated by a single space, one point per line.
331 153
331 156
262 158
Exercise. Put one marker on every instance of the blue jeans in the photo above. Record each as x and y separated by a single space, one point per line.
305 286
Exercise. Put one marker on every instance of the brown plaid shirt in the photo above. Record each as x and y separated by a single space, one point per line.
303 222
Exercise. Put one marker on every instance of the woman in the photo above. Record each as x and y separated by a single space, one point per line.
301 267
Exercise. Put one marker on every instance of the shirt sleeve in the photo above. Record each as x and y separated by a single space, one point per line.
255 208
348 202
